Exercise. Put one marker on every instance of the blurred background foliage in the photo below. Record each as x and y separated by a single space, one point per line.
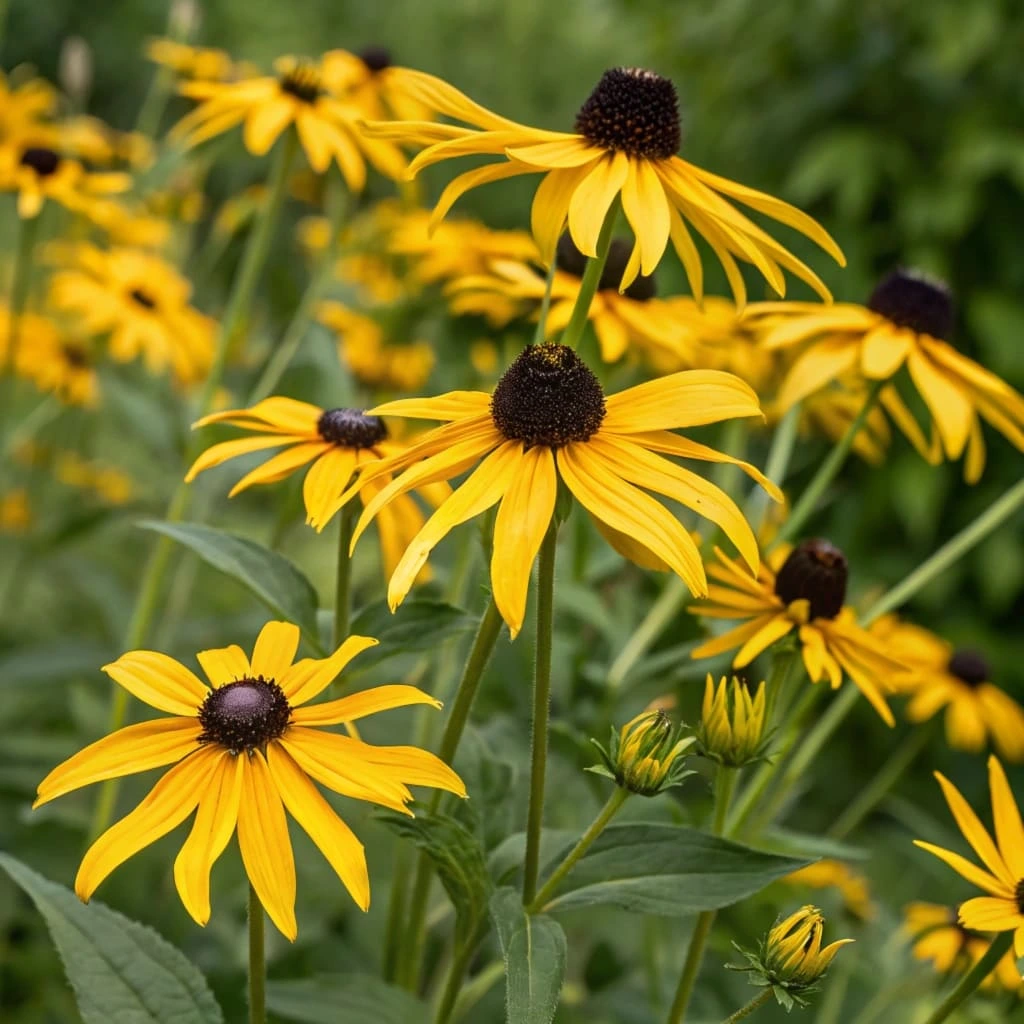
899 126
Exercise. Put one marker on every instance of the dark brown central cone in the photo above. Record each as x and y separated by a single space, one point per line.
913 300
376 58
351 428
143 298
970 667
302 82
572 261
244 715
815 571
42 160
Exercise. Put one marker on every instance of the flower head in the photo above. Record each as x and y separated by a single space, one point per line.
732 723
623 146
245 749
647 755
548 420
1002 878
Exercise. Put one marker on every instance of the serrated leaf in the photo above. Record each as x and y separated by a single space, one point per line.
458 858
121 971
533 948
417 625
275 580
668 870
352 998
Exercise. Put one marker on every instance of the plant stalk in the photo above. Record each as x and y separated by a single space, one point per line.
591 278
973 978
257 961
755 1004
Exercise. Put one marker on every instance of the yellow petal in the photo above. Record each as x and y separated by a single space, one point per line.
733 638
226 450
451 406
964 868
308 678
460 185
974 832
821 364
551 206
589 204
646 209
568 152
774 630
990 914
285 415
224 664
316 138
281 465
160 681
630 548
275 649
265 846
325 483
949 406
265 123
688 255
883 351
1009 830
359 705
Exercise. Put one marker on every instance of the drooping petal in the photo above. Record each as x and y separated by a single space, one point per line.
275 649
224 664
309 677
281 465
771 631
265 123
551 206
589 204
949 406
359 705
158 680
975 833
964 868
732 639
819 365
460 185
1009 830
883 351
227 450
646 209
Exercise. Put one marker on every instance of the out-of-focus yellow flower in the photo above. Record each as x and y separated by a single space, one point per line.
731 729
647 755
142 303
372 360
370 82
239 209
834 874
483 354
95 142
109 484
15 511
194 62
24 108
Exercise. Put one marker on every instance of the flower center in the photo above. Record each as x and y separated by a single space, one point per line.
303 82
911 299
76 356
633 111
41 160
376 58
970 667
351 428
572 261
143 298
815 572
548 396
244 715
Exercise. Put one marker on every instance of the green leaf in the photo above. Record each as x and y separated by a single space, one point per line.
271 577
669 871
533 949
417 625
457 856
352 998
800 844
121 970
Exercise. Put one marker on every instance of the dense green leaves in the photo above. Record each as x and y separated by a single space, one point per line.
270 576
122 972
670 871
348 998
534 952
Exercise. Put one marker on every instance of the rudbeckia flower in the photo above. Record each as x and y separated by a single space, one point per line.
268 105
243 752
959 680
908 321
634 318
1002 910
623 146
369 81
25 108
198 62
548 420
338 442
142 303
802 590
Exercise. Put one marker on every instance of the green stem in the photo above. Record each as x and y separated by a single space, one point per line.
343 580
257 962
755 1004
884 779
243 289
591 278
779 454
610 809
541 709
456 972
672 598
396 910
477 987
828 470
483 645
973 978
725 782
545 303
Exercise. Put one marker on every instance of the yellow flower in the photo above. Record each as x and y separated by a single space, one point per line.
803 590
793 952
268 105
547 421
25 107
243 752
731 729
369 81
142 303
93 141
1003 877
939 939
197 62
15 511
630 319
624 145
647 755
959 680
834 874
371 360
338 442
907 322
106 482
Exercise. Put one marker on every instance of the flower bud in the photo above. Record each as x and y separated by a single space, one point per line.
646 755
732 725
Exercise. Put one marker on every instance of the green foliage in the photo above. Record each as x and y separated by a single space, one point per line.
414 627
352 998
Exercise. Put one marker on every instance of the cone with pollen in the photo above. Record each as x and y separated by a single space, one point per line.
548 420
907 322
244 750
624 147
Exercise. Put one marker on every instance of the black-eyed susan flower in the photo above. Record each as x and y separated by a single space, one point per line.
791 959
647 755
851 885
335 444
203 63
623 146
731 730
141 303
243 752
908 321
24 108
267 105
938 938
548 420
958 680
1002 878
369 80
802 590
